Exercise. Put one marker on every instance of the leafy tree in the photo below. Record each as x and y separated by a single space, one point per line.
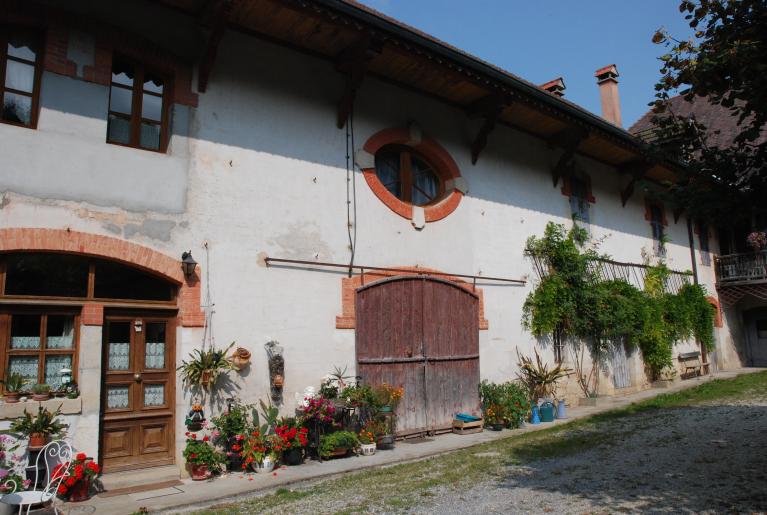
724 63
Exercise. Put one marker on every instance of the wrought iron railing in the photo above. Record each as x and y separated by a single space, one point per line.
741 268
633 273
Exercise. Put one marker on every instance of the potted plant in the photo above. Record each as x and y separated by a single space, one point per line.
14 382
387 397
294 440
201 458
367 442
11 468
230 429
76 484
41 392
205 366
261 452
494 416
337 444
382 430
39 428
536 376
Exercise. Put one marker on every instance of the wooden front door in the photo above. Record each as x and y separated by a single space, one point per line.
420 333
138 392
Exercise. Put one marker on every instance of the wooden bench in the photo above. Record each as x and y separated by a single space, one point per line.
693 365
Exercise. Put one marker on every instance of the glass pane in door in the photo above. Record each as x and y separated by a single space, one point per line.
118 397
154 348
154 395
119 346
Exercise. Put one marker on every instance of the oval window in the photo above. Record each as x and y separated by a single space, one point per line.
408 176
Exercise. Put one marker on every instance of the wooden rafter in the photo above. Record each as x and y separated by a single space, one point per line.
489 108
636 170
216 17
568 140
353 63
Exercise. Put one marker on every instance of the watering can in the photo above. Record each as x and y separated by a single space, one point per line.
561 409
547 411
535 418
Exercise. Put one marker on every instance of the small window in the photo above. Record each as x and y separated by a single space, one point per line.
137 105
658 230
408 176
20 71
118 281
40 345
705 254
579 199
48 275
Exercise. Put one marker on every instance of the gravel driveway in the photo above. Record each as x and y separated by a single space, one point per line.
702 459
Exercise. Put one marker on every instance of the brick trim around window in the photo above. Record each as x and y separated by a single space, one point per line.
437 156
350 285
718 311
60 240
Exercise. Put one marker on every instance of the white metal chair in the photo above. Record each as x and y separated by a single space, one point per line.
53 454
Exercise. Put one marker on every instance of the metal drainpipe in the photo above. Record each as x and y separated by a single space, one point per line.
692 251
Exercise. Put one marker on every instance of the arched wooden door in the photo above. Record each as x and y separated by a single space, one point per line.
421 333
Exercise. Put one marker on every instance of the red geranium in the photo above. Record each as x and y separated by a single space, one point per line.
79 469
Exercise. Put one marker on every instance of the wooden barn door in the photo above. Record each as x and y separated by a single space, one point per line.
420 333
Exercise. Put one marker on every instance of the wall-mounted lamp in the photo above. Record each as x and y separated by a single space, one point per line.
188 264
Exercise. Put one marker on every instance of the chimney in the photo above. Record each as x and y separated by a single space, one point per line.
607 79
556 87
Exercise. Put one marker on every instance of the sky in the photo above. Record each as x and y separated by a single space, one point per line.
542 40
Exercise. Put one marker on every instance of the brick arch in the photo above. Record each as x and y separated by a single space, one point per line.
434 153
717 310
350 285
132 254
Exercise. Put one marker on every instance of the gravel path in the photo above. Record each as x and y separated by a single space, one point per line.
702 459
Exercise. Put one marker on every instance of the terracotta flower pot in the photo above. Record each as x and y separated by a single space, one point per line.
199 471
38 440
80 491
41 396
12 397
339 452
205 377
241 358
278 381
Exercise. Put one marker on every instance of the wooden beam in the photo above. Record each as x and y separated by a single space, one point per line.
216 16
568 139
353 63
489 108
636 170
677 213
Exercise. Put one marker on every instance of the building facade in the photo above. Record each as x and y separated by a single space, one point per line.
136 132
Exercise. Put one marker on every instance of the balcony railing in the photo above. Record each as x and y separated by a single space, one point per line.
749 268
633 273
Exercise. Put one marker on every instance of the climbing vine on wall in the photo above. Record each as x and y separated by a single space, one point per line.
572 300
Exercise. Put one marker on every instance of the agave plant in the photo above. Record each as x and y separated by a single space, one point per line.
205 366
536 376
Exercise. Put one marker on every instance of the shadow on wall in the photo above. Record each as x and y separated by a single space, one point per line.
690 459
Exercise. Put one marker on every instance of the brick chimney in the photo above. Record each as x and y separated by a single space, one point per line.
607 79
556 87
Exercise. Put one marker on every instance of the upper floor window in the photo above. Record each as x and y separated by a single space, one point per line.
579 199
137 107
657 220
705 254
408 176
20 69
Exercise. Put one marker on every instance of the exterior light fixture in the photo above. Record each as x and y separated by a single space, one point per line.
188 264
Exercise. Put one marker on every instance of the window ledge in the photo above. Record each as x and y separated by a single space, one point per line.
16 409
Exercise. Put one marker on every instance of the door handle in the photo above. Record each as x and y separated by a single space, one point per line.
137 377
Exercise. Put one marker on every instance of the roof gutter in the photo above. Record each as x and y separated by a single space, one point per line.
479 67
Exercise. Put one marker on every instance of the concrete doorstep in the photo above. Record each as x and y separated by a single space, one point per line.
190 495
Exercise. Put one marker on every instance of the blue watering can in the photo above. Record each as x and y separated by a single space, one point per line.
535 419
547 412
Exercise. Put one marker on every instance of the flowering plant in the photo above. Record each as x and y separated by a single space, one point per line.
292 436
11 473
319 409
388 395
82 469
367 437
258 446
757 240
199 451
